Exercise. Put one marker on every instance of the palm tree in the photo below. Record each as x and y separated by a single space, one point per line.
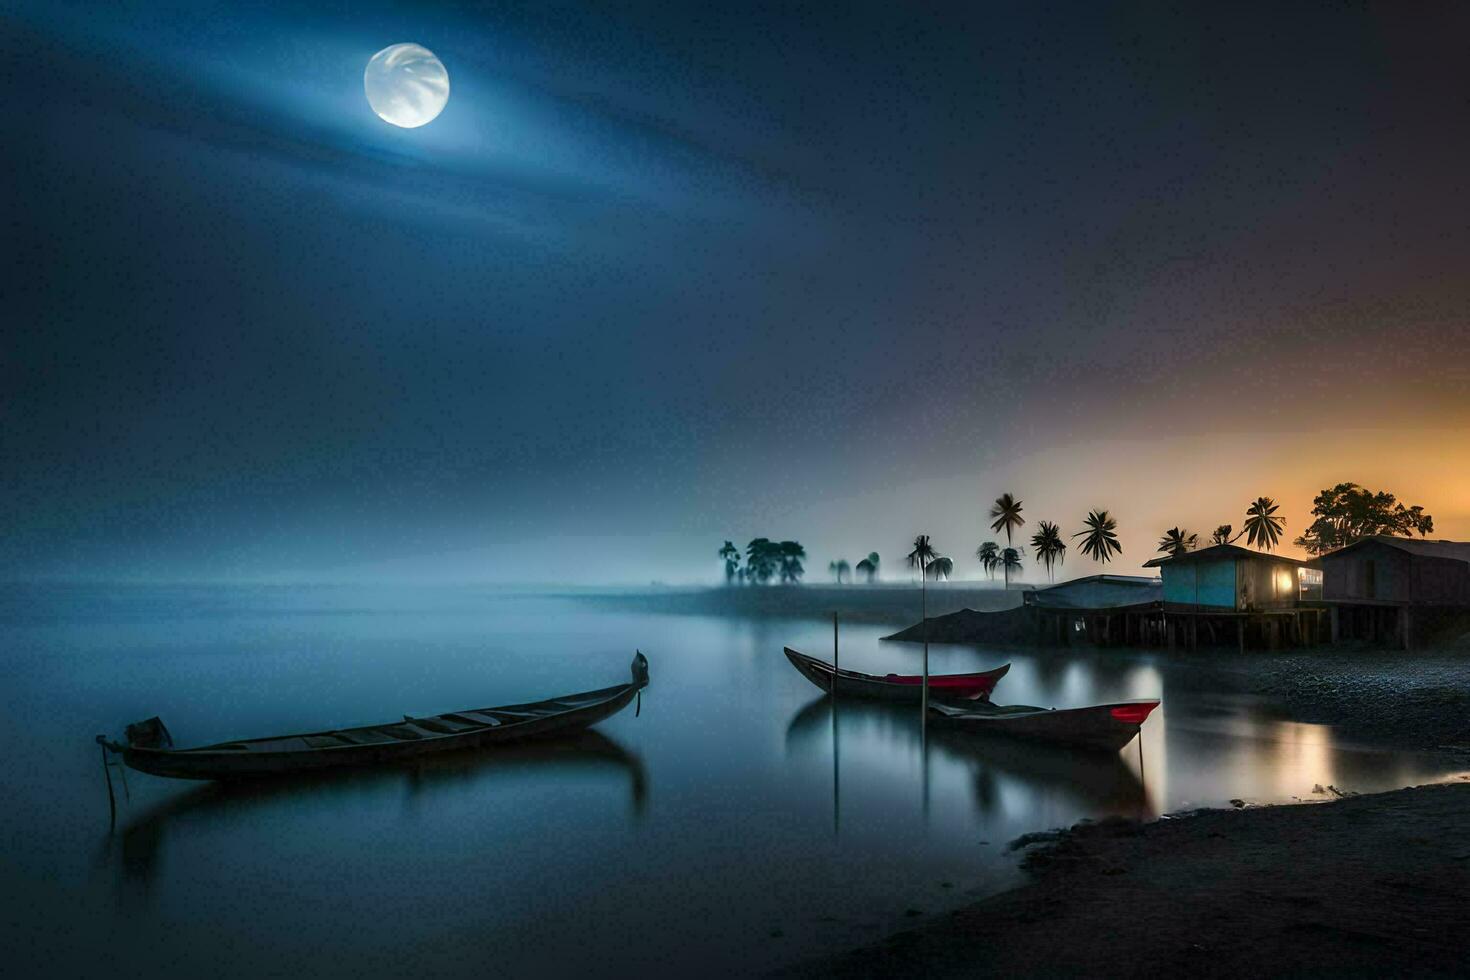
1048 547
791 555
1099 537
1262 527
1177 541
1007 513
1010 558
940 568
919 558
869 566
922 554
988 553
1222 535
731 556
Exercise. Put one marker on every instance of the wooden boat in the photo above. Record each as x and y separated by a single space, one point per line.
895 687
1105 727
150 747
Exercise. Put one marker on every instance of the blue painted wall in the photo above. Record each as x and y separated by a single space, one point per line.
1215 581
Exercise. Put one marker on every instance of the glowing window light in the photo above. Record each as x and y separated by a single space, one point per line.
1282 584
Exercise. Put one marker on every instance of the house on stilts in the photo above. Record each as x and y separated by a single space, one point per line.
1388 590
1225 594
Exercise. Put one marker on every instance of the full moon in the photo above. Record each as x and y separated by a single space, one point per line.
406 85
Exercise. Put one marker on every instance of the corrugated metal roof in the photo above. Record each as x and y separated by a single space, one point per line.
1458 550
1220 552
1098 592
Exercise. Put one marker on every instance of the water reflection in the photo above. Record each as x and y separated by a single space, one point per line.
136 851
774 810
1005 775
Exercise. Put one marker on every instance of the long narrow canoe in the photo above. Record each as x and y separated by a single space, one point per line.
1105 727
150 748
895 687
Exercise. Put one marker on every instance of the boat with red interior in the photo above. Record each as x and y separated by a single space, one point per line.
895 687
1104 727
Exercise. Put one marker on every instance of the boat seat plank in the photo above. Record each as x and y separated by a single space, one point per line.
364 736
331 741
452 723
481 715
472 718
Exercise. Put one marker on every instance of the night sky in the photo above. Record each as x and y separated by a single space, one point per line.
662 275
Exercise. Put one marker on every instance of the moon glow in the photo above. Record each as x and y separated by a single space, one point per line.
406 85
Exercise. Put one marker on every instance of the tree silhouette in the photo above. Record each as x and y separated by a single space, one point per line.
1010 558
1048 547
869 566
940 568
731 557
1099 538
762 558
1176 542
1347 513
989 555
791 553
1261 526
1222 535
839 568
922 554
1007 513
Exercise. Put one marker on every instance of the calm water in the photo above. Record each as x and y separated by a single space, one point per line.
734 826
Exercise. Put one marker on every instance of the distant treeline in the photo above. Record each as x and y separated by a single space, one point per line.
1342 514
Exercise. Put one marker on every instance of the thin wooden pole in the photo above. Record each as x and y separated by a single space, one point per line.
834 652
1142 779
924 626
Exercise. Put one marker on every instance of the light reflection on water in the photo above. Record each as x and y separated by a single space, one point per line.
741 821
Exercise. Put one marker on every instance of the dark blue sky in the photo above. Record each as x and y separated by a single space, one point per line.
666 274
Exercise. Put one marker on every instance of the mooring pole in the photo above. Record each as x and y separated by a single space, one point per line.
834 652
924 632
1142 777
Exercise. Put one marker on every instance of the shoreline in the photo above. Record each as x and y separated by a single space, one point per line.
1368 883
885 603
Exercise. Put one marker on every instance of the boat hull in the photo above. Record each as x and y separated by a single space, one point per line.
419 737
1103 728
906 689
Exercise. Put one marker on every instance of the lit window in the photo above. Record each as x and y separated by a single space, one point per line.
1309 581
1281 583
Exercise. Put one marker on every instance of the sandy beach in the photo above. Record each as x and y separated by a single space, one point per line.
1366 884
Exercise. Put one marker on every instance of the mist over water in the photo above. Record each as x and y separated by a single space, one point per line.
738 820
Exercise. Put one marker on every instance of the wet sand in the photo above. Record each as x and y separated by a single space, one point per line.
1368 884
